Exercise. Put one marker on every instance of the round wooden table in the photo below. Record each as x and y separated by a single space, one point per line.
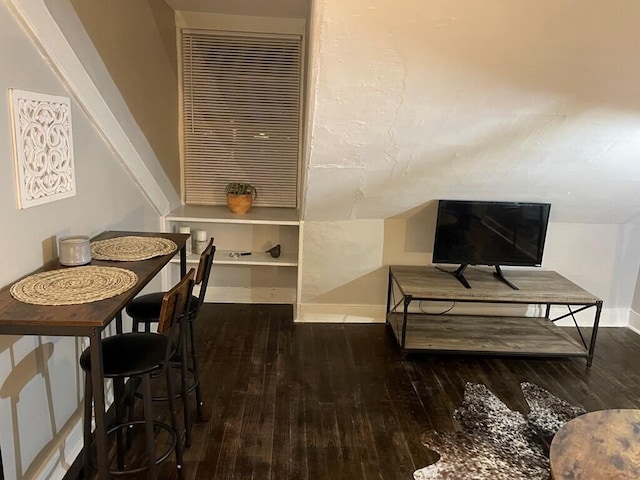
598 445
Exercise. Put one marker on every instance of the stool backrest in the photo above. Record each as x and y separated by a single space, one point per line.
204 271
175 302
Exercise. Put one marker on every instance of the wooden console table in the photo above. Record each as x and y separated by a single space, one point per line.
484 334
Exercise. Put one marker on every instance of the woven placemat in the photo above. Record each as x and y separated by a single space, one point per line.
131 249
72 286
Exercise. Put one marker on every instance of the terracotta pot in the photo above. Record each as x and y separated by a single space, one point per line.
239 204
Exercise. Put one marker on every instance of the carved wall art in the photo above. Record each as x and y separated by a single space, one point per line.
43 147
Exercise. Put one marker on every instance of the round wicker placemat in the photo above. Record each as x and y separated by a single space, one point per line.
131 249
72 286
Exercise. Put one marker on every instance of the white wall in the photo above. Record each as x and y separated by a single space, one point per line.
413 101
40 382
603 259
419 100
344 275
634 315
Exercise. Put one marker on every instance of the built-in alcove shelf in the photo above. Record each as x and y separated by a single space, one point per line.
223 257
221 214
254 278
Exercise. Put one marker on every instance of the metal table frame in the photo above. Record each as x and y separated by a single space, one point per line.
573 297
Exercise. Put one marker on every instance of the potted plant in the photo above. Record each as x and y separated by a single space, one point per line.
240 197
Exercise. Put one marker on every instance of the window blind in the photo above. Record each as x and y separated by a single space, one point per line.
241 116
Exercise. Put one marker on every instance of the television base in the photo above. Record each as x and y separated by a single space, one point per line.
498 273
459 274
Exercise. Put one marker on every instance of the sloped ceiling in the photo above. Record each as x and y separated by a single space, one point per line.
528 100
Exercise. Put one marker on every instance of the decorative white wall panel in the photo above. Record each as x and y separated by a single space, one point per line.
43 147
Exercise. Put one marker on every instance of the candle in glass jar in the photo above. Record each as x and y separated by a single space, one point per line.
200 241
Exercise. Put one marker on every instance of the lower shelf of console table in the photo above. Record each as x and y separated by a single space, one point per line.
471 334
416 330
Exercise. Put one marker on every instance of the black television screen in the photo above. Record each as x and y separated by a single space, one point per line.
490 233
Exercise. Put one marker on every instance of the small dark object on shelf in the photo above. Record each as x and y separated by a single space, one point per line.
238 254
274 251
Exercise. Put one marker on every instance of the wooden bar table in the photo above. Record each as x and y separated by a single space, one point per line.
88 320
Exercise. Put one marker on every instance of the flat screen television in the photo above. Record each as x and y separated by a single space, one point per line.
470 232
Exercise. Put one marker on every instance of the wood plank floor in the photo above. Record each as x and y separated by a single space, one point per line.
329 401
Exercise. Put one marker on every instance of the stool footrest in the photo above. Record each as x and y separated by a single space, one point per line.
128 425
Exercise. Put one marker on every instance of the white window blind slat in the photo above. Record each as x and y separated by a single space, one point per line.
241 116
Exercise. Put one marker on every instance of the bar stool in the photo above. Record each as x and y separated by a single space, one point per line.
138 356
145 310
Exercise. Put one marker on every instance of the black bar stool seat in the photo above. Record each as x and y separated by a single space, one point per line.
129 354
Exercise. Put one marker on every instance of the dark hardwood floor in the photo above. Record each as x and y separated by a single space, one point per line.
334 401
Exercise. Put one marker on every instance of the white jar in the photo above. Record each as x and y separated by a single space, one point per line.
200 242
74 250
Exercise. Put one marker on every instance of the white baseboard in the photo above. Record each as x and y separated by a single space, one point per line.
634 321
340 313
217 294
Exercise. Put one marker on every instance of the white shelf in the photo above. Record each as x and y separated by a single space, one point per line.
223 257
221 214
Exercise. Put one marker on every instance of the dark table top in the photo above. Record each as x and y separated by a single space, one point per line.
26 319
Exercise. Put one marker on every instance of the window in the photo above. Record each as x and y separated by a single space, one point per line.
241 116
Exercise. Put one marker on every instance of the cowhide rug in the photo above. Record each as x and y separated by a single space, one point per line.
496 442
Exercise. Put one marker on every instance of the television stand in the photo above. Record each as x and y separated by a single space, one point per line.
509 330
498 273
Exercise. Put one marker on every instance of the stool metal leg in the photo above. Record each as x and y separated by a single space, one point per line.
171 394
130 404
88 410
148 419
184 385
119 403
196 371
